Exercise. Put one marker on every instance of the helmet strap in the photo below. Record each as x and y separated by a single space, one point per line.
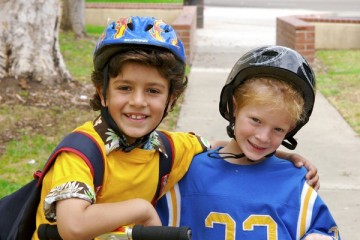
289 142
220 155
105 81
230 105
225 155
105 110
167 103
230 130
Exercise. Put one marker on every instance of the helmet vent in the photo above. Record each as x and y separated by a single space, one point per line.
148 27
130 25
270 53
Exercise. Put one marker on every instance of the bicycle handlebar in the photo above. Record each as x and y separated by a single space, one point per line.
138 232
47 232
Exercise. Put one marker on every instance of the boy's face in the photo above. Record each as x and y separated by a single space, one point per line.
136 99
260 129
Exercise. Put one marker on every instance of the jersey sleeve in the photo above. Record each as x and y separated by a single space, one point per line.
315 216
70 177
186 146
168 208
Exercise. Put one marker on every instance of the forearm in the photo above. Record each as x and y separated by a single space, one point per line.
81 221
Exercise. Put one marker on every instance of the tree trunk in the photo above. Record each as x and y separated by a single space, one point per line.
29 45
73 17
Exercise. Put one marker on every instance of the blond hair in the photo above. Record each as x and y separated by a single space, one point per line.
274 92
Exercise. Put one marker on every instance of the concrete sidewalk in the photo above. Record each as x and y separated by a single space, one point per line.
327 140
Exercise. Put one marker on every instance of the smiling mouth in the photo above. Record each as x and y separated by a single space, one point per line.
257 147
136 116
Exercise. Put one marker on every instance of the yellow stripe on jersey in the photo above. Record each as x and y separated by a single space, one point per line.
308 196
174 206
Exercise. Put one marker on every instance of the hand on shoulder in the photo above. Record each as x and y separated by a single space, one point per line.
317 236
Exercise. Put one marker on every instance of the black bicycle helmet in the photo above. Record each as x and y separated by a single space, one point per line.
273 61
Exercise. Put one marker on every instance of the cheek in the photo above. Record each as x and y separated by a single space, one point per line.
274 146
242 129
160 105
276 141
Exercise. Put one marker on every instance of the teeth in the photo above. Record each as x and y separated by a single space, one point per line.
132 116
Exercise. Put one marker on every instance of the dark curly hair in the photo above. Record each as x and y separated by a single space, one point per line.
165 62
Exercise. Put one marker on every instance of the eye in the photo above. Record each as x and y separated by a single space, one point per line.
124 88
255 120
153 91
279 130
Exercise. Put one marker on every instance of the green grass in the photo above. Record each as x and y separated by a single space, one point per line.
24 156
94 30
73 52
338 79
7 187
37 131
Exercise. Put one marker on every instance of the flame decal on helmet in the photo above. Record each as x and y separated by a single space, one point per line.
156 30
121 26
100 40
175 42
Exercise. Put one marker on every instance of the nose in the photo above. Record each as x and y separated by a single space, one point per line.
263 134
138 98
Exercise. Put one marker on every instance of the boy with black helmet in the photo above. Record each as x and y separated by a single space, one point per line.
277 62
242 190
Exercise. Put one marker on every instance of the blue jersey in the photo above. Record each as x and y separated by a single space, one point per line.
269 200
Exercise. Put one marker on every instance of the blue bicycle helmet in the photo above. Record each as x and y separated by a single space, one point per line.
273 61
147 32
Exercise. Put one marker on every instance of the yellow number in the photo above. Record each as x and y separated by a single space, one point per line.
248 224
261 220
222 218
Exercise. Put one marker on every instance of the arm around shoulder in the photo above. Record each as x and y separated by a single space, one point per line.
312 175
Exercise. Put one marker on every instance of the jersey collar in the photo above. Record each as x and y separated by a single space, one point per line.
112 140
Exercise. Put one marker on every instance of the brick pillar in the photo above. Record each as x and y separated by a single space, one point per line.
297 34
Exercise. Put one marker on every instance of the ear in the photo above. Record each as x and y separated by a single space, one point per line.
99 91
171 102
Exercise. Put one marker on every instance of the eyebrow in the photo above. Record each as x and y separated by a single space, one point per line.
147 84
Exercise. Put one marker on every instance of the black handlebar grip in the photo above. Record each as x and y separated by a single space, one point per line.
140 232
47 232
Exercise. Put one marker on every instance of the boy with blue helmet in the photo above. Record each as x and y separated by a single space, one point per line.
139 73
